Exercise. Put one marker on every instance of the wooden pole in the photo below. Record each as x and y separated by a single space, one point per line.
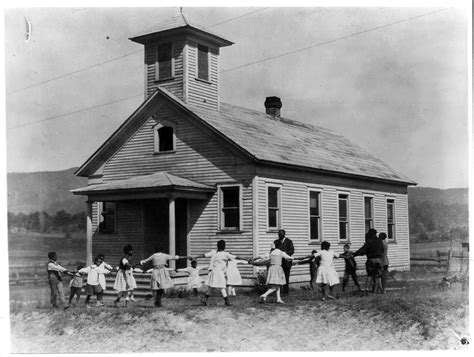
89 234
172 231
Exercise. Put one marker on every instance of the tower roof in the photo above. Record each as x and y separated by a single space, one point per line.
177 25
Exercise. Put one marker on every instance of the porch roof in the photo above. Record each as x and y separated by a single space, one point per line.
159 184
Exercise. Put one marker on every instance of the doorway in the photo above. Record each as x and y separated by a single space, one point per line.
156 229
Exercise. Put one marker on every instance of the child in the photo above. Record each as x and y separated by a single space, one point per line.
103 265
313 266
160 277
55 280
124 281
194 280
93 285
75 284
275 274
350 268
218 266
233 276
327 274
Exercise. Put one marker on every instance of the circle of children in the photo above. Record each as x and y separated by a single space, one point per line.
223 274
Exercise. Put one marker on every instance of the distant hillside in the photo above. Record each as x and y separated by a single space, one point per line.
45 191
417 195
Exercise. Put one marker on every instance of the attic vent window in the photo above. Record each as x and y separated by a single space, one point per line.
203 63
164 64
164 138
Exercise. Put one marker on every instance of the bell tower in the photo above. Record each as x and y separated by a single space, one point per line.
183 58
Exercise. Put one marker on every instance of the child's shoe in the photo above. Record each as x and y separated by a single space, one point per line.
280 302
227 302
262 299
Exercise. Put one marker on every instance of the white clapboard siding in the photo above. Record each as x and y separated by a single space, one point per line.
200 93
295 220
198 156
204 234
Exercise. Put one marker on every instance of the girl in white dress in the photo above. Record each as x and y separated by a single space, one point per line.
218 265
327 274
233 275
160 276
124 281
194 280
275 274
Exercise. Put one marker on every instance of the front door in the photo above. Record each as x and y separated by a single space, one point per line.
156 229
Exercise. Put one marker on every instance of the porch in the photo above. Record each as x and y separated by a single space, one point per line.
144 211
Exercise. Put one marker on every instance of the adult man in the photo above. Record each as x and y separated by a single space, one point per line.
373 249
285 245
383 237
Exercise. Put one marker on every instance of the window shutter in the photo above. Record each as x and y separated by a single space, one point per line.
164 69
203 62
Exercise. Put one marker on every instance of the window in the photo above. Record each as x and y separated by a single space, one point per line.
164 66
343 203
368 213
391 219
107 221
164 138
230 208
314 216
273 203
203 62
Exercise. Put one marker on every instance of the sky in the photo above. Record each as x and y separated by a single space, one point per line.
392 80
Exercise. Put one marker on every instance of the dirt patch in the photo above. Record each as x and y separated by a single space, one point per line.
412 316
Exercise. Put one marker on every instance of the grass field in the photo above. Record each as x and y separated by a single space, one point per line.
414 314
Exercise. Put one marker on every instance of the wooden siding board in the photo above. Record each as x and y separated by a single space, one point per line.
295 220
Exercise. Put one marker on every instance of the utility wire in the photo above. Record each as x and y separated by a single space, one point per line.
245 65
330 41
235 18
75 112
74 72
119 57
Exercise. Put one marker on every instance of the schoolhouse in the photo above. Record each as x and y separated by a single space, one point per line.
186 170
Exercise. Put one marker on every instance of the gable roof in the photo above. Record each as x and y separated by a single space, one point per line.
270 141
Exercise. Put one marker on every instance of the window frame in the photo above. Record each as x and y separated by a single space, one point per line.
208 79
319 217
103 213
279 213
157 63
392 201
156 137
221 216
372 219
348 218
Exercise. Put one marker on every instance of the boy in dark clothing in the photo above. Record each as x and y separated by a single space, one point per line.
350 268
314 263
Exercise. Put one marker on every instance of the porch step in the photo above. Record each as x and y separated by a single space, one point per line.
143 283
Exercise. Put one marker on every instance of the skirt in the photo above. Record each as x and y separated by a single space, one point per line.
194 282
124 281
275 275
216 279
160 279
233 277
327 275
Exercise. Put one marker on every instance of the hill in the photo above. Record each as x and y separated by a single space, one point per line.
45 191
418 195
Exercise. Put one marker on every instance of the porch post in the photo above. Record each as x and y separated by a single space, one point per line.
172 231
89 234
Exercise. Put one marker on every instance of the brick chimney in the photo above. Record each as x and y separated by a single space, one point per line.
273 106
